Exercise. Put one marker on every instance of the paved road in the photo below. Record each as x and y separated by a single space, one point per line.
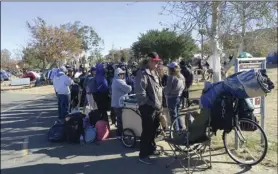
25 149
11 99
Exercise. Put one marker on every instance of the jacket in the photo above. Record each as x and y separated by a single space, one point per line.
101 84
148 88
119 89
174 87
61 83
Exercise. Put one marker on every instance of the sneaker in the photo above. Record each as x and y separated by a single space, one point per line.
155 153
146 160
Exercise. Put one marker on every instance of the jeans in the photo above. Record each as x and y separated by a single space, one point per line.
174 107
63 105
118 113
150 124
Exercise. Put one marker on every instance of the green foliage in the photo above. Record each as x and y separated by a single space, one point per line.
166 43
116 55
89 37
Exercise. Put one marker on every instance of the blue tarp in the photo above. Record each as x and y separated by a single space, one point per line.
272 59
241 85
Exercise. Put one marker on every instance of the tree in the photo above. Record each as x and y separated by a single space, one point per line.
221 19
168 44
116 55
91 41
5 58
52 43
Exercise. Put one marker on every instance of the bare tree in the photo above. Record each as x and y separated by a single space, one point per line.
225 17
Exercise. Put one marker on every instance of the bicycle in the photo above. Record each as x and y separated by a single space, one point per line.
237 124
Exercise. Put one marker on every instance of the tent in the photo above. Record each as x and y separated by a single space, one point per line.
32 75
272 58
245 55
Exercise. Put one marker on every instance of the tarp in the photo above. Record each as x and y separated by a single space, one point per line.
32 75
245 55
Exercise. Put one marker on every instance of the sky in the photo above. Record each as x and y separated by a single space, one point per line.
117 23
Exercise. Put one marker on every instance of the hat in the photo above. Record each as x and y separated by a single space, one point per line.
63 69
173 65
154 56
119 71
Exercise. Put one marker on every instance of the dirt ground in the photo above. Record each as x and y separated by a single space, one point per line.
271 121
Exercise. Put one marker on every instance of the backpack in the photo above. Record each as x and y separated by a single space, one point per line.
74 127
90 134
56 133
246 111
102 129
222 113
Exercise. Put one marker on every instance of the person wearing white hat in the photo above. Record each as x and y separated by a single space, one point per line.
61 83
173 91
119 89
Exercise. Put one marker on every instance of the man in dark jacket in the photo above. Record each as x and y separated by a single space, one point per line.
148 90
188 75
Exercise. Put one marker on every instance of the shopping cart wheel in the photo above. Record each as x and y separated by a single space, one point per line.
128 138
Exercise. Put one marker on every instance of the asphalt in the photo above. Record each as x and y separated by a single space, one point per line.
25 120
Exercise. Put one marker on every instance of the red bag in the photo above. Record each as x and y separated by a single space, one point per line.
103 130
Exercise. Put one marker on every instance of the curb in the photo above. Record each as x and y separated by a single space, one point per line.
13 89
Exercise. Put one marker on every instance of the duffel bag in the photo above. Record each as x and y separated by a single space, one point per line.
56 133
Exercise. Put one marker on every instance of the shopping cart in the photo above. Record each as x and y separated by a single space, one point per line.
132 122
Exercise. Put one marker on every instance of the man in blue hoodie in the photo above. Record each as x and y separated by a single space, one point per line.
61 83
101 91
119 89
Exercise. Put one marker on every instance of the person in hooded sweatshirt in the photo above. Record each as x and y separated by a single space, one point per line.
173 91
119 89
101 91
61 83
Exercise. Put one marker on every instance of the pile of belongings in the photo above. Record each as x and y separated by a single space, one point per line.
217 99
241 85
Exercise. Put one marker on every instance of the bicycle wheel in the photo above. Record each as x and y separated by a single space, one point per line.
257 139
180 134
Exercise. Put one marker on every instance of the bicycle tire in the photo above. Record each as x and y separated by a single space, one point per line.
224 137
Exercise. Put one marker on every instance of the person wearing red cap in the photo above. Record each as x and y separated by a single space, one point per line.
148 90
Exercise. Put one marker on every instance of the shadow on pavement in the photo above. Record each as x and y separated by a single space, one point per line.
32 122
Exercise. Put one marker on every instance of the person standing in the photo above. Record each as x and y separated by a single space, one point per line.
148 90
89 84
61 83
101 91
173 91
119 89
188 75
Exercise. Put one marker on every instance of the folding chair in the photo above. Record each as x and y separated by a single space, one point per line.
188 142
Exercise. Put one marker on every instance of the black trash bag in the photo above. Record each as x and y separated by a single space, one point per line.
74 127
56 133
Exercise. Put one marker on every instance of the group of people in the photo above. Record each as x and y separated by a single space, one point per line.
157 88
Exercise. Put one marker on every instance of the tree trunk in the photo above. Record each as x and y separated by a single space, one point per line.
216 66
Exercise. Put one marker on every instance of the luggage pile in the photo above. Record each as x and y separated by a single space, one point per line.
79 128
